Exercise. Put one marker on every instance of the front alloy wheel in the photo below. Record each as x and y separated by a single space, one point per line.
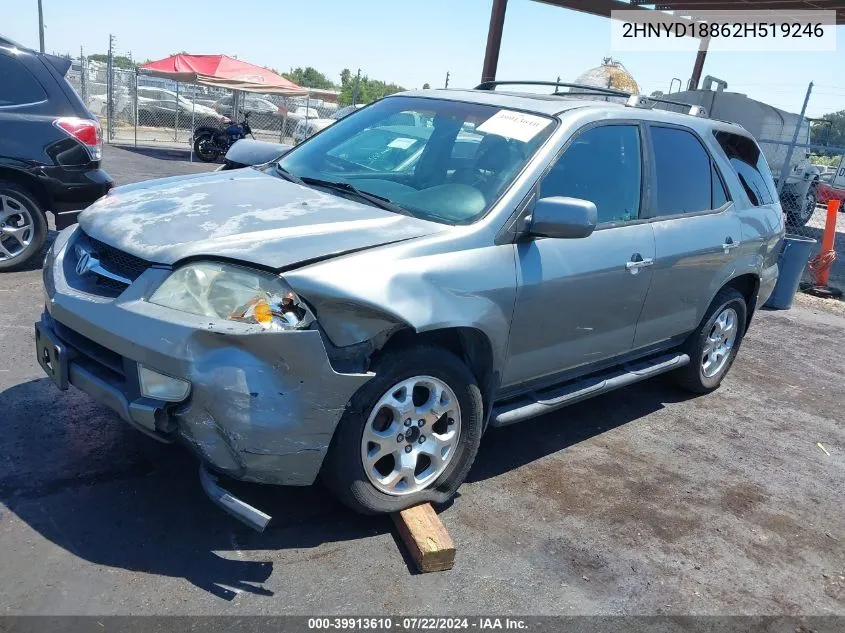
410 435
407 436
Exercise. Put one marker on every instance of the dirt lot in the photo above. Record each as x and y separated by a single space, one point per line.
643 501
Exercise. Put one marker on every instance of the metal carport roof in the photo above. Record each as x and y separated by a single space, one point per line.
686 8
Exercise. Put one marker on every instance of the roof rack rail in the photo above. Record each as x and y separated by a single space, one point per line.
634 100
490 85
643 101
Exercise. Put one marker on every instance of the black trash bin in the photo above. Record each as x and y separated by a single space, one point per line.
791 262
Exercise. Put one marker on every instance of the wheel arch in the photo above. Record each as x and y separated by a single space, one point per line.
30 183
470 344
748 285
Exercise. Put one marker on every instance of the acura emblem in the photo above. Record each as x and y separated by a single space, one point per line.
86 262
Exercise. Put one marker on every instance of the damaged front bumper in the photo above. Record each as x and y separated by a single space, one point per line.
262 406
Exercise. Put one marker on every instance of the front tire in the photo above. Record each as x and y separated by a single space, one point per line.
23 226
800 213
204 147
408 436
713 347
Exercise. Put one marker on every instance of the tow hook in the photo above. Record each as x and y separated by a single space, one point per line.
241 510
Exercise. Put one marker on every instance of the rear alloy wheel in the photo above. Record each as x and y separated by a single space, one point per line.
23 227
409 435
719 342
712 348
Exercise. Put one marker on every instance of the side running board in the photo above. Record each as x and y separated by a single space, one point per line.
541 402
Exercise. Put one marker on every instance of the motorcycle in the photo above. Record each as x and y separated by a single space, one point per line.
210 142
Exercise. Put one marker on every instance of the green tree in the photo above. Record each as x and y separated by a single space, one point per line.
832 133
426 86
368 89
120 61
309 77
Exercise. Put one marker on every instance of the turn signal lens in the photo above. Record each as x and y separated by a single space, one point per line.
262 312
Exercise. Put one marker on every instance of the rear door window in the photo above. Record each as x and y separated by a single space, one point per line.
18 86
750 166
684 173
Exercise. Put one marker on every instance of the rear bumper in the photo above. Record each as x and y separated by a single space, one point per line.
768 279
71 190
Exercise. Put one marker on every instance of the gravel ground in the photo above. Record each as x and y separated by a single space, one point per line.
644 501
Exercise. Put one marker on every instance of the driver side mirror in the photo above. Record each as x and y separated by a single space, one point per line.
563 218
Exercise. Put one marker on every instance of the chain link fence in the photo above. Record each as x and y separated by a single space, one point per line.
805 188
140 109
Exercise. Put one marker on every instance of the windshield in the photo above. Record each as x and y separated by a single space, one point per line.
440 160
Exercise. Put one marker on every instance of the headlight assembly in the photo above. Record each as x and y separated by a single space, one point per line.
233 293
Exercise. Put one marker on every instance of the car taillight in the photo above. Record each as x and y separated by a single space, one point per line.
86 131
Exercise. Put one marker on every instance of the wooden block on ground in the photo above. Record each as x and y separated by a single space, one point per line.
426 538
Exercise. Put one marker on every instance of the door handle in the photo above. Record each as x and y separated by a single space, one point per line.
637 262
729 245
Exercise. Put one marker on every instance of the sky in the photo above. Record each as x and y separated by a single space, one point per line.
410 42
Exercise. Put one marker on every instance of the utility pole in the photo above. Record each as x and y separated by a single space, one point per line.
110 88
784 172
40 26
447 79
356 88
83 79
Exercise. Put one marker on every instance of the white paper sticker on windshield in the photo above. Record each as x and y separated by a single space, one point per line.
402 143
516 125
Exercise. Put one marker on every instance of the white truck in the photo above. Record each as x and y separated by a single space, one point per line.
774 130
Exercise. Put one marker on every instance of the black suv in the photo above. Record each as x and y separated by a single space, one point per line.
50 151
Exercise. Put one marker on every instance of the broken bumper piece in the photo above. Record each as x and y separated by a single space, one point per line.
241 510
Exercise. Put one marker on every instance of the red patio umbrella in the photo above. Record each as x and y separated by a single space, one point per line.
222 71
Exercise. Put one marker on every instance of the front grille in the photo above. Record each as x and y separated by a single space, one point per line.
92 352
110 262
118 262
109 286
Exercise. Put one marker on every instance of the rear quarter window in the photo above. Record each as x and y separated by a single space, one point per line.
18 86
750 166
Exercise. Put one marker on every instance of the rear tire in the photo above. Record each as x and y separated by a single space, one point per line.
713 347
202 150
359 486
23 226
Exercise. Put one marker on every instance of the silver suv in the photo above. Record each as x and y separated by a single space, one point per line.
366 306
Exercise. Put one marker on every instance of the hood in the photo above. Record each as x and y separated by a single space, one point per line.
244 215
249 152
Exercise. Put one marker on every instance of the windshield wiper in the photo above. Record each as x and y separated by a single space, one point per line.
377 201
284 173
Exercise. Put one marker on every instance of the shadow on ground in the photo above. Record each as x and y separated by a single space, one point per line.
93 486
162 153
